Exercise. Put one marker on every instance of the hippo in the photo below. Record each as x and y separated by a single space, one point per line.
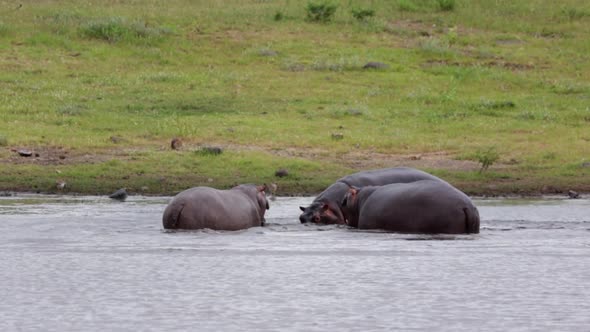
326 208
424 206
238 208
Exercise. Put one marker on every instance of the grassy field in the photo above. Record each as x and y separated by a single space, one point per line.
98 89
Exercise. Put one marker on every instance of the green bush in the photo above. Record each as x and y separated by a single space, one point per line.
320 11
446 5
115 29
407 6
362 14
486 157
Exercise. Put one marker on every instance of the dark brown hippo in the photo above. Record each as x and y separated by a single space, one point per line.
326 208
425 206
238 208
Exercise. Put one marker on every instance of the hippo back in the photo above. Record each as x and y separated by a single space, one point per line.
204 207
378 177
418 207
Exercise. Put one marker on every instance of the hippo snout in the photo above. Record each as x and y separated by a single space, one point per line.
302 220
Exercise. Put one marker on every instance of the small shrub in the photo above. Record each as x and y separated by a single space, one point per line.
337 136
279 16
320 11
407 6
375 65
486 157
452 36
111 30
362 14
115 29
293 65
446 5
494 105
436 46
209 151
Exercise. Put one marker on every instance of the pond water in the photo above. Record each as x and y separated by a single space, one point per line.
92 264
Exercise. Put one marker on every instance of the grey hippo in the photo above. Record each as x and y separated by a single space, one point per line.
326 208
238 208
425 206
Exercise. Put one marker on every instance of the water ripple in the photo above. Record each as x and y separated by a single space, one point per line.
91 264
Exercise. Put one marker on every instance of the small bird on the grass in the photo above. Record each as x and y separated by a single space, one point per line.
119 195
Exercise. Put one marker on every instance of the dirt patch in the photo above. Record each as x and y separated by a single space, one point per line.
57 155
367 159
410 28
434 160
509 65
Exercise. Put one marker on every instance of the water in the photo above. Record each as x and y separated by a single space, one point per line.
92 264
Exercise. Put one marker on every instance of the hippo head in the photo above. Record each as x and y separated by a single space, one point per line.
350 197
262 201
258 195
349 206
322 212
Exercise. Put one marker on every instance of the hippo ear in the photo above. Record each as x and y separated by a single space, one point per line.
302 208
261 188
353 190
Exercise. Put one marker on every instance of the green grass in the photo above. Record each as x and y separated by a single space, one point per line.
462 76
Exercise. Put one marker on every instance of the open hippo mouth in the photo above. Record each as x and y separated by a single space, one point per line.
308 218
324 213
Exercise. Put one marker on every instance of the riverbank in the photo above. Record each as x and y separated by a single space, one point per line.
295 173
93 95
